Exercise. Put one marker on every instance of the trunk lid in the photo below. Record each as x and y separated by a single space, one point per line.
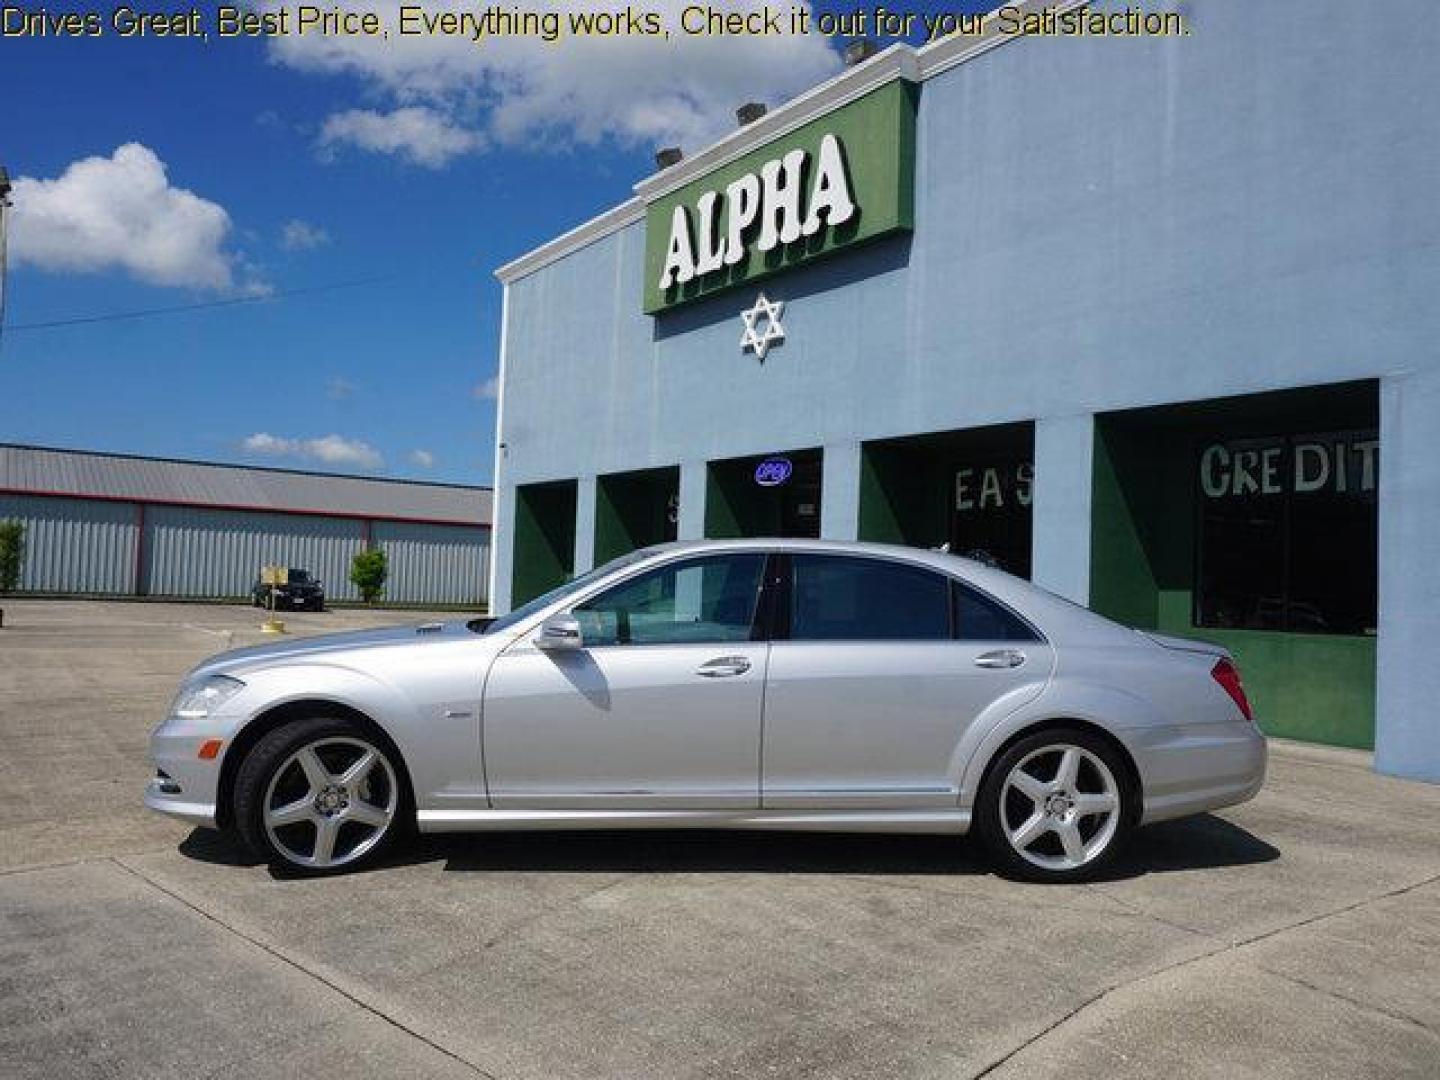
1181 644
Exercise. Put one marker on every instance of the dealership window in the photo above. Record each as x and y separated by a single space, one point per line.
990 519
1287 533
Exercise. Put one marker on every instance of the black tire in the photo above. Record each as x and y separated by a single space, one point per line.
997 802
335 742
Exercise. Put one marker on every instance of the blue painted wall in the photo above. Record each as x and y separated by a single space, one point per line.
1099 225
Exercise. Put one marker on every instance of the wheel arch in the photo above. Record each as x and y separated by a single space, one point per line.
1132 771
280 715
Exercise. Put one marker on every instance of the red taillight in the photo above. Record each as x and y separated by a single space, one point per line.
1228 675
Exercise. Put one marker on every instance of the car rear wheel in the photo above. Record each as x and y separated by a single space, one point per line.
1056 806
320 795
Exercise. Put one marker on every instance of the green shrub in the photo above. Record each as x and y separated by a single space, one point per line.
12 554
368 572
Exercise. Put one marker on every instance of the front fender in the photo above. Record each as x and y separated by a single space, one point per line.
435 725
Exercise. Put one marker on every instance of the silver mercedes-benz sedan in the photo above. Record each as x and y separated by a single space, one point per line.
770 684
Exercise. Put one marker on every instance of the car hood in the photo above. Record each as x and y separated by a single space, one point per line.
284 652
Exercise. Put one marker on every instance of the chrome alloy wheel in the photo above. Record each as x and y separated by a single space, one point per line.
1060 807
330 802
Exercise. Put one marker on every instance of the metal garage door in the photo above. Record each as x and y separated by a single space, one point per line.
197 552
435 564
75 545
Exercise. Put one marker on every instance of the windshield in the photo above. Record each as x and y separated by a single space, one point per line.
298 576
523 612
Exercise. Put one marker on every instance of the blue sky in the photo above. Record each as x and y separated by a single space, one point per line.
369 196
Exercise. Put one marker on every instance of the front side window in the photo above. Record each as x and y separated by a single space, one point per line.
840 598
696 601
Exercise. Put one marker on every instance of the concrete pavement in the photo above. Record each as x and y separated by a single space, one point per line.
1295 936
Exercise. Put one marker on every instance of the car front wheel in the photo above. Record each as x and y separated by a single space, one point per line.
319 795
1056 806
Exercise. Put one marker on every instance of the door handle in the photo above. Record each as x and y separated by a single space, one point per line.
723 667
1000 658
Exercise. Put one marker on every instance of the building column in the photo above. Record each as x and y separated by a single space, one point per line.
840 491
1061 505
585 493
502 549
694 481
1407 679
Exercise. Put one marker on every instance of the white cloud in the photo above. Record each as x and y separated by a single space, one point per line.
338 388
297 235
121 212
488 390
467 94
421 135
328 450
422 459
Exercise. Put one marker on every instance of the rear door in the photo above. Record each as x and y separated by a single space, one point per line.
882 668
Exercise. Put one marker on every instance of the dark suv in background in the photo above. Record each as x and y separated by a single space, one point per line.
298 592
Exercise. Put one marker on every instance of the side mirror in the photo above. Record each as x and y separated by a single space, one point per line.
559 633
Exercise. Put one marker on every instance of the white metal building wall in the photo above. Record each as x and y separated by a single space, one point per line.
192 551
435 564
75 545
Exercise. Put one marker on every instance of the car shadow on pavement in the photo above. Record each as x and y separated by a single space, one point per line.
210 846
1197 843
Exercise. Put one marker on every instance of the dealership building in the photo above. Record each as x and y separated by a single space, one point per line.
1150 321
117 525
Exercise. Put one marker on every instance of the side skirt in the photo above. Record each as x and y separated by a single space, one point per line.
953 821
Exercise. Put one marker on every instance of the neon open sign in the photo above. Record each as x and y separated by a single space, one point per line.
772 472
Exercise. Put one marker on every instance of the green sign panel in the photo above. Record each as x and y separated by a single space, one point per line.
836 182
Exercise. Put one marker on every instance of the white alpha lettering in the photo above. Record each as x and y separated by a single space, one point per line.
1215 471
1309 479
742 206
1270 470
1245 482
831 191
990 494
1024 483
709 256
680 259
1369 451
963 501
780 205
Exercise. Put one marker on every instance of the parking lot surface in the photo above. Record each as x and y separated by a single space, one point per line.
1295 936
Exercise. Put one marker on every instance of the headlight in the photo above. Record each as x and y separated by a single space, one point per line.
199 700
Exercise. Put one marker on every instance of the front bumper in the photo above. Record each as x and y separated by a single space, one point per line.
187 786
158 797
295 601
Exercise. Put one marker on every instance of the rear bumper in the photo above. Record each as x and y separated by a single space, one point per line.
1192 768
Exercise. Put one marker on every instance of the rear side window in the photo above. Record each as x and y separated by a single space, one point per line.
840 598
979 618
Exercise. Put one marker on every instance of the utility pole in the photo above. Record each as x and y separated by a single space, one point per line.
5 188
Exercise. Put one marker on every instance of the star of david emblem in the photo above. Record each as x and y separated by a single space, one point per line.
762 326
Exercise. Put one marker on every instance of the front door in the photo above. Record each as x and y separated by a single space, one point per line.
659 708
885 666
